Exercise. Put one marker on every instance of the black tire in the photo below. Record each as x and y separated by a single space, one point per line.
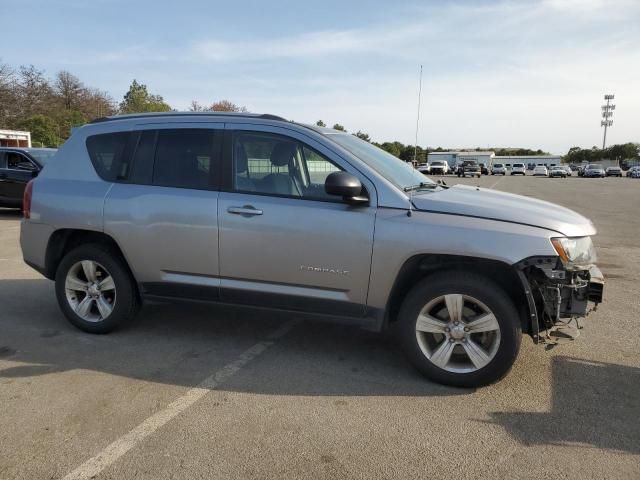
482 289
127 303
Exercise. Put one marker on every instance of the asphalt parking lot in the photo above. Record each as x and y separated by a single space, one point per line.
213 392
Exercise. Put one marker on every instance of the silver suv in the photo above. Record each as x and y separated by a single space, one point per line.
253 209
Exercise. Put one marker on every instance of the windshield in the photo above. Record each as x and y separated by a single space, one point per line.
42 155
400 173
497 165
594 166
437 163
518 165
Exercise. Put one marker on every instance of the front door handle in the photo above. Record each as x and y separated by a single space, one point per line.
246 211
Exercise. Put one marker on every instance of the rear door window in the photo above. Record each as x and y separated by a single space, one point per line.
186 158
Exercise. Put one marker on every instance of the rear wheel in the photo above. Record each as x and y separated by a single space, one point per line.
460 329
95 290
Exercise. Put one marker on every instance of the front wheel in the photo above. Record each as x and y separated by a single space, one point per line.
460 329
95 290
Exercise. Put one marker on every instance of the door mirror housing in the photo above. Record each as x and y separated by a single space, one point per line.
345 185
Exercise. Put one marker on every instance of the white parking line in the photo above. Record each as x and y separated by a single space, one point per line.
496 182
122 445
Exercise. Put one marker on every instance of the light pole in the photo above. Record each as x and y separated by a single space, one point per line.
607 117
415 148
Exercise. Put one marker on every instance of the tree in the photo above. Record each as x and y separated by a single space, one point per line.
96 103
339 127
139 100
320 123
394 148
44 131
69 89
226 106
66 120
33 92
7 93
195 106
363 136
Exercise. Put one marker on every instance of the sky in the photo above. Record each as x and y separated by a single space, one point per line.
495 73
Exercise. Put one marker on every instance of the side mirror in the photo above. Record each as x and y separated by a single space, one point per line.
345 185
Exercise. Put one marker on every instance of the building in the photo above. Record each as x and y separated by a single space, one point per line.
14 138
454 158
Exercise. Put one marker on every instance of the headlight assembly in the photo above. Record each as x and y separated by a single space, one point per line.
575 251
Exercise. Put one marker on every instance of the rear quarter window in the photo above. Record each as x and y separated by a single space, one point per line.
108 153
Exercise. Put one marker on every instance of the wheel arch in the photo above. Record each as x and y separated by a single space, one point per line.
421 266
64 240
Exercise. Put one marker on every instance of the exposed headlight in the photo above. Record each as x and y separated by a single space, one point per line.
575 251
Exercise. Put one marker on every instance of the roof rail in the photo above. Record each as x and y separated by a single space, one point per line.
265 116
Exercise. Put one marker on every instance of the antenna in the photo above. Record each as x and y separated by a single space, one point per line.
415 148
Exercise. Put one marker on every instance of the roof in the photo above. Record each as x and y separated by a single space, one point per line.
471 152
524 157
264 116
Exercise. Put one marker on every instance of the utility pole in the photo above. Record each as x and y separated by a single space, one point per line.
607 114
415 149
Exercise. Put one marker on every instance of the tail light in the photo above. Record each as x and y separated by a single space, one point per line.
26 200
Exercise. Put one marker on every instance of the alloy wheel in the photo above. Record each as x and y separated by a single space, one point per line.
90 291
458 333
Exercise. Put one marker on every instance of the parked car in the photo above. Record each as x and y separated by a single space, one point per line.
17 167
483 169
498 169
200 206
613 172
633 172
557 171
540 170
567 169
469 168
594 170
438 167
518 169
424 168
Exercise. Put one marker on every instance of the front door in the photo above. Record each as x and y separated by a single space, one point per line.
284 242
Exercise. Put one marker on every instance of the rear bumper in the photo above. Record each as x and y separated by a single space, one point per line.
34 238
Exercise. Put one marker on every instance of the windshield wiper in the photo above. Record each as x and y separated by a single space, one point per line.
429 185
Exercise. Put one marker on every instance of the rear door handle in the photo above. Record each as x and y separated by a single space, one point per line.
246 211
3 176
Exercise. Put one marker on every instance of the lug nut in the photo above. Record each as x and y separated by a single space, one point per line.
456 323
464 340
451 340
466 329
447 329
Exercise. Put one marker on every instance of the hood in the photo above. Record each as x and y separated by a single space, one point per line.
506 207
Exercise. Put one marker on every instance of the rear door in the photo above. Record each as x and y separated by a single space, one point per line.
165 215
284 242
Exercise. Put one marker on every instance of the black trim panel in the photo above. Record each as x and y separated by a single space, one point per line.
181 290
292 302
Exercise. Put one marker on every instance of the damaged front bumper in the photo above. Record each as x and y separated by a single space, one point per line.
556 296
